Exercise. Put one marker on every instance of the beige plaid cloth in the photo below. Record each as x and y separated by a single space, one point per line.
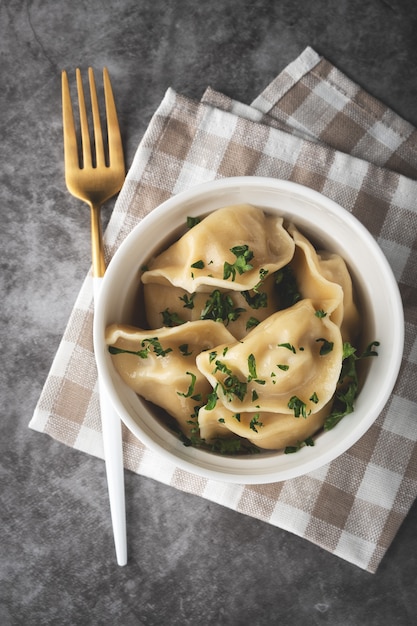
314 126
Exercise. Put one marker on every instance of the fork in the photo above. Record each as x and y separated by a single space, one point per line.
98 177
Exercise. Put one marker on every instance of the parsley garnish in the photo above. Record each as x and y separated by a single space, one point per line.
298 406
171 319
320 314
192 221
257 301
146 344
251 323
190 391
220 307
198 265
291 449
188 300
243 255
262 275
283 367
184 349
348 384
327 346
289 346
255 422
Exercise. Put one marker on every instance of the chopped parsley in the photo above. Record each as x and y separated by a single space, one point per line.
300 444
289 346
251 323
298 406
243 255
326 347
171 319
189 394
257 301
192 221
198 265
320 314
188 300
255 423
220 308
146 344
348 385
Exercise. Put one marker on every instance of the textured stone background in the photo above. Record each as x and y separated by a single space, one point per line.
191 562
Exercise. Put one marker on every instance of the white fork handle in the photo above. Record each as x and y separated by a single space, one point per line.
113 456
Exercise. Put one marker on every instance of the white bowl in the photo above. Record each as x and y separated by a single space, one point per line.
328 224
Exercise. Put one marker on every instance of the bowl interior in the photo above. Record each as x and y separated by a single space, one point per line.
330 227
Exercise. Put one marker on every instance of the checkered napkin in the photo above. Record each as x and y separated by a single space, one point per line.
314 126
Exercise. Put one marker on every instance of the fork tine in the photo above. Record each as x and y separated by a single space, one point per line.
85 135
113 130
98 135
70 137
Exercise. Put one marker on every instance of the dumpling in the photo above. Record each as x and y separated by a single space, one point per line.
333 267
325 295
167 305
271 431
233 248
290 363
160 364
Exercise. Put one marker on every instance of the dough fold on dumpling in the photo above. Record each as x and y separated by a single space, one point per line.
164 372
324 277
290 362
270 431
240 310
196 261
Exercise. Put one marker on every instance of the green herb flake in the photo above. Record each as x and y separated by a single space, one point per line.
327 346
183 348
171 319
314 398
348 384
243 255
220 308
212 399
300 444
262 275
255 423
156 345
198 265
320 314
188 300
256 301
298 406
192 221
288 346
142 354
283 367
252 322
190 391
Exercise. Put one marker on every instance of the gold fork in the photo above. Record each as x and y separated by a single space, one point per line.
96 179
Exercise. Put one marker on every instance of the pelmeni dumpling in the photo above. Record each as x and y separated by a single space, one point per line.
289 363
270 431
160 364
196 262
239 311
324 277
